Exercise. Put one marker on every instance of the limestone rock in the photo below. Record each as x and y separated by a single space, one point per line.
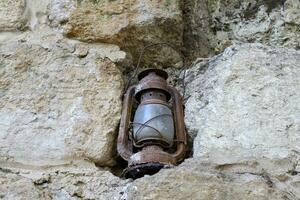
129 24
60 11
79 184
193 180
215 24
243 110
57 106
91 185
12 14
38 13
16 187
197 36
60 98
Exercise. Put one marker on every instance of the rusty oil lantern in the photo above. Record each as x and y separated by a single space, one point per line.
152 136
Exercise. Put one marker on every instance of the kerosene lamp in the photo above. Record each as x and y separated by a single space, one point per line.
152 136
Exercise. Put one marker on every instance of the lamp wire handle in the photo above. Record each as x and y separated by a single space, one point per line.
140 59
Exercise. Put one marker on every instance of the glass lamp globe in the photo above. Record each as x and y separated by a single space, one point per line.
153 122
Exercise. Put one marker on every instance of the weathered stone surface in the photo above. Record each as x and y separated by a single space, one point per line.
60 11
37 13
16 187
60 98
75 184
242 168
197 36
90 185
57 104
213 25
196 181
191 180
12 15
243 108
129 24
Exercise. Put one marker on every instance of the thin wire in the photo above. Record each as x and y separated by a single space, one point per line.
183 81
145 125
141 56
148 121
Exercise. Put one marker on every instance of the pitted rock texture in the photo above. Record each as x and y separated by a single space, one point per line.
131 24
195 180
13 15
16 187
213 25
192 180
243 107
60 11
60 100
58 185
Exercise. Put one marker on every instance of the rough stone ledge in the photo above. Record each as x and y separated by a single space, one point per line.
192 179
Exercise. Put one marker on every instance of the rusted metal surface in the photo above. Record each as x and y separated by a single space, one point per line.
149 156
153 95
154 154
181 137
148 161
124 147
150 80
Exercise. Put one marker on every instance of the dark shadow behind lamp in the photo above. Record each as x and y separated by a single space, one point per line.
152 136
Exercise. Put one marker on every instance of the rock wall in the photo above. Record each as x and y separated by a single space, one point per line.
52 105
63 65
213 25
243 110
131 24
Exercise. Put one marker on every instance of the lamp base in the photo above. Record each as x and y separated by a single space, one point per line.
148 161
140 170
